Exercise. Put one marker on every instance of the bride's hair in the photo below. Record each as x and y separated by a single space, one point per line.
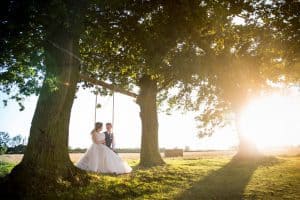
98 125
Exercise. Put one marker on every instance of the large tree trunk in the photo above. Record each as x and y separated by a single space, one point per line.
46 162
150 155
246 148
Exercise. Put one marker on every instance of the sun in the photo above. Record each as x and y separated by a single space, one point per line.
272 121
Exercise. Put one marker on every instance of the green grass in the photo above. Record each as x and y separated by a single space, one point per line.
206 178
5 168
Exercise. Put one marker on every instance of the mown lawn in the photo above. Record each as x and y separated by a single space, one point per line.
199 178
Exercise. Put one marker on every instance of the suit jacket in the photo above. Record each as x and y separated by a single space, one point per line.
109 137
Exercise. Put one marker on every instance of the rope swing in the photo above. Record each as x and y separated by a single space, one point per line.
86 78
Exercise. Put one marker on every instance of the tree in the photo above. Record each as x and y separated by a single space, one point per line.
238 86
32 62
262 49
224 85
15 141
4 138
153 45
281 40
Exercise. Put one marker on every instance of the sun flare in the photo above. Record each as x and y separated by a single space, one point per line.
272 121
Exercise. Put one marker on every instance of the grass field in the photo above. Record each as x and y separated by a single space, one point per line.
195 176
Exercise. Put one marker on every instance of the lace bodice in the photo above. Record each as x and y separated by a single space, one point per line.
100 136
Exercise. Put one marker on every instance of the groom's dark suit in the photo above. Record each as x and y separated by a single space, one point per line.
109 137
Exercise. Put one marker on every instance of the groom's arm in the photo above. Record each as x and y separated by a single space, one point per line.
113 142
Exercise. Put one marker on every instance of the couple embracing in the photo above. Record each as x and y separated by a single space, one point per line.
100 157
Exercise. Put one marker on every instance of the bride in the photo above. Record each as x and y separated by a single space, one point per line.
100 158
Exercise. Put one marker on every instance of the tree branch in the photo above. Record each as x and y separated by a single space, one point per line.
112 87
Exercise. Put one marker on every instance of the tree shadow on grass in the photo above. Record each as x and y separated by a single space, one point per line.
228 182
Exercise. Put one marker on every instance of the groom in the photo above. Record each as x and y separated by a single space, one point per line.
109 137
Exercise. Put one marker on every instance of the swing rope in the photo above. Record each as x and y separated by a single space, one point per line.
96 94
113 108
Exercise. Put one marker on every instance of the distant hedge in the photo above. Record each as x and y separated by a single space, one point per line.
20 149
77 150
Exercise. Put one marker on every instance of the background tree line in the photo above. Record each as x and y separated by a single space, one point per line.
9 144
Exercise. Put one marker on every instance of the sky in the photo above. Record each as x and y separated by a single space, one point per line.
269 121
175 131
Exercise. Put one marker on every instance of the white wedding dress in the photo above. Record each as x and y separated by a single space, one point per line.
100 158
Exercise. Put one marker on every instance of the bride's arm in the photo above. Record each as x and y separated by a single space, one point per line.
101 142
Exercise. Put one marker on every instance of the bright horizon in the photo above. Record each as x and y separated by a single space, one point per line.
273 121
175 131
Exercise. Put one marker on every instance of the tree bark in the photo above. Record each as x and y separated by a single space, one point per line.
150 155
46 160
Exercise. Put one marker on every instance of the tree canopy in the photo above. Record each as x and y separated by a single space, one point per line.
186 54
259 50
